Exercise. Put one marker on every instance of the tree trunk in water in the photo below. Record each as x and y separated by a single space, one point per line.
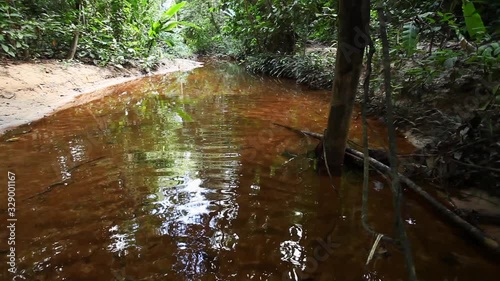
354 19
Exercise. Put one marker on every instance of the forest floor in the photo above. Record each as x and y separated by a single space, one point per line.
32 90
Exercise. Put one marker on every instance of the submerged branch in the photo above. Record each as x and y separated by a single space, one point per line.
473 231
63 182
307 133
468 228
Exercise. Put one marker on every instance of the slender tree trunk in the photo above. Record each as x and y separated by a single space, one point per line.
74 45
397 193
76 35
354 19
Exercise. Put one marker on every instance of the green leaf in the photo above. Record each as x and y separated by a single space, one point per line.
152 33
186 117
170 25
172 10
450 62
473 21
190 24
169 42
496 52
410 37
8 50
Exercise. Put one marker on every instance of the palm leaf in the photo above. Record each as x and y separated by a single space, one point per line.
410 37
172 10
473 21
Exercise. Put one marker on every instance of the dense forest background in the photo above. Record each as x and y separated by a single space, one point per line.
120 32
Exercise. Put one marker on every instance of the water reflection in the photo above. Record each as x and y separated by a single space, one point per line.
185 177
291 250
122 240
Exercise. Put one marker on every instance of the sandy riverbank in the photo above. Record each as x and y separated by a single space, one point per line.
32 90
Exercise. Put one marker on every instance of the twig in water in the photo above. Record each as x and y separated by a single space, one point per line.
84 162
63 182
366 162
374 247
396 186
49 188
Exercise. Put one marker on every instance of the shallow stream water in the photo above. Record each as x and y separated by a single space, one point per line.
185 177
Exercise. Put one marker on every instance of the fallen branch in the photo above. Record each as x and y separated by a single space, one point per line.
473 231
320 137
49 188
307 133
84 163
482 238
63 182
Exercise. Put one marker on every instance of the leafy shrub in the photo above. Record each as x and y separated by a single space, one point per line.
22 36
312 69
110 32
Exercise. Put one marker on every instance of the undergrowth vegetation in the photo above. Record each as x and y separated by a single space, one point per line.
311 69
137 32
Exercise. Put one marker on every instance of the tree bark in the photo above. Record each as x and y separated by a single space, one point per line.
74 45
76 35
354 18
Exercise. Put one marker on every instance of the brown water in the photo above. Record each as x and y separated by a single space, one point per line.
184 177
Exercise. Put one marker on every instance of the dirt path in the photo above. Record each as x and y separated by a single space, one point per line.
32 90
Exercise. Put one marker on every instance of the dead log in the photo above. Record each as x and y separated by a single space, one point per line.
468 228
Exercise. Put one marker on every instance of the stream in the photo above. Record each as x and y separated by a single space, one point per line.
185 177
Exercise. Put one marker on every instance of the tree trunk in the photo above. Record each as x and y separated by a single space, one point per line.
74 45
354 19
76 35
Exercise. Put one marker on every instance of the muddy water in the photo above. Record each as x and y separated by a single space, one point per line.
185 177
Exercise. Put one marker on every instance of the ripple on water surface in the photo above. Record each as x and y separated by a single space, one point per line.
185 177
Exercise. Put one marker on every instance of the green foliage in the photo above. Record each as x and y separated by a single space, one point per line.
323 26
116 31
473 21
410 37
486 57
490 50
21 35
443 62
212 38
165 25
274 26
313 69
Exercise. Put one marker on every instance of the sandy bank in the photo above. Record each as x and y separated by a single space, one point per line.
32 90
